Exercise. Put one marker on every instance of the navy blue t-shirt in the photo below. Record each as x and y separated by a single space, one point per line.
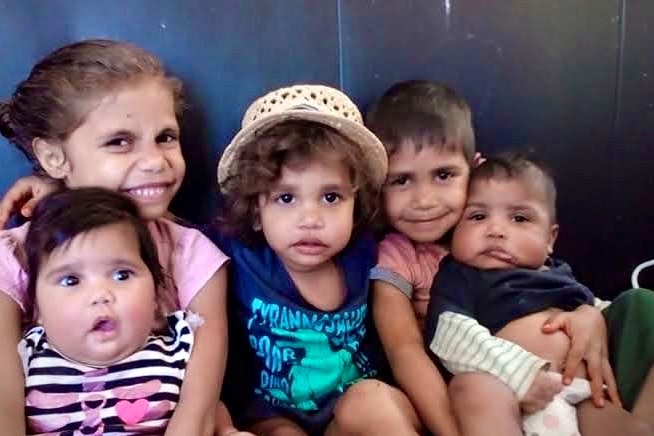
297 357
496 297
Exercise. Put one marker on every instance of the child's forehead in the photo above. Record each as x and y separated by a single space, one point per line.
121 232
146 100
327 154
428 153
330 166
506 190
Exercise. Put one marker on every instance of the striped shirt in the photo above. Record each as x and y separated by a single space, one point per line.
136 396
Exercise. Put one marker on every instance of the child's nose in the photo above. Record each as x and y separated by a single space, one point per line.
103 295
495 229
425 197
152 158
310 218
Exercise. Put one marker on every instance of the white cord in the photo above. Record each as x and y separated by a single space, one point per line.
637 270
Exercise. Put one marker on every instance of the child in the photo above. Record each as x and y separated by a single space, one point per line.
92 264
301 180
427 131
501 274
105 114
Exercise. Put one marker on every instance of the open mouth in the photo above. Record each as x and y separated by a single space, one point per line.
104 325
149 192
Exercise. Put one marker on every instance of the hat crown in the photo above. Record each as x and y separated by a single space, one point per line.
312 103
311 98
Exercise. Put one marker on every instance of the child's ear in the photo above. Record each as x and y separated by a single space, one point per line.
554 233
256 218
256 224
52 158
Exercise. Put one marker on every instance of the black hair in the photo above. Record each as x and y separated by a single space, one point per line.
63 215
511 165
422 113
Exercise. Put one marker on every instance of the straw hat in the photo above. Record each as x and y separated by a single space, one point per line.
317 103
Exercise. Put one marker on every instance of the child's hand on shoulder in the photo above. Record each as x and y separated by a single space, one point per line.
23 195
545 386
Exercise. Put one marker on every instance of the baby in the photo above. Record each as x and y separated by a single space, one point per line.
103 358
501 274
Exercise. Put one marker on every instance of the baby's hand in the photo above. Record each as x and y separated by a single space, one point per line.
23 195
542 391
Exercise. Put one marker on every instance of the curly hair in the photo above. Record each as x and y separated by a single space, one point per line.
259 167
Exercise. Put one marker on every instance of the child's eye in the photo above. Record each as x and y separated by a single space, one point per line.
476 216
69 281
443 174
122 275
166 138
399 181
117 142
520 219
332 197
285 198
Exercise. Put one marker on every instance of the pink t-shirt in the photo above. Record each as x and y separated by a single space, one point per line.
410 267
184 253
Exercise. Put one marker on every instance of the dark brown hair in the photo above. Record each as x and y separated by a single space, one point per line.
61 89
63 215
422 113
517 166
259 166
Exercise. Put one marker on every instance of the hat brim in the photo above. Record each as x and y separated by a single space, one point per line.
370 145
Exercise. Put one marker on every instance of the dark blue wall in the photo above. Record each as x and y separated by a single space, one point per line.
572 80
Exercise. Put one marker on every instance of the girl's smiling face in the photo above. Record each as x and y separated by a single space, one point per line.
128 142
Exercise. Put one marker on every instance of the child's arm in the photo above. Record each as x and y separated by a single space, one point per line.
12 386
23 195
196 411
463 345
399 270
415 372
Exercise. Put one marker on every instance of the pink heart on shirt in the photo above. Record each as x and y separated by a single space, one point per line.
550 421
132 412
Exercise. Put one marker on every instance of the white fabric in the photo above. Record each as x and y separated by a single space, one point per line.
559 418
